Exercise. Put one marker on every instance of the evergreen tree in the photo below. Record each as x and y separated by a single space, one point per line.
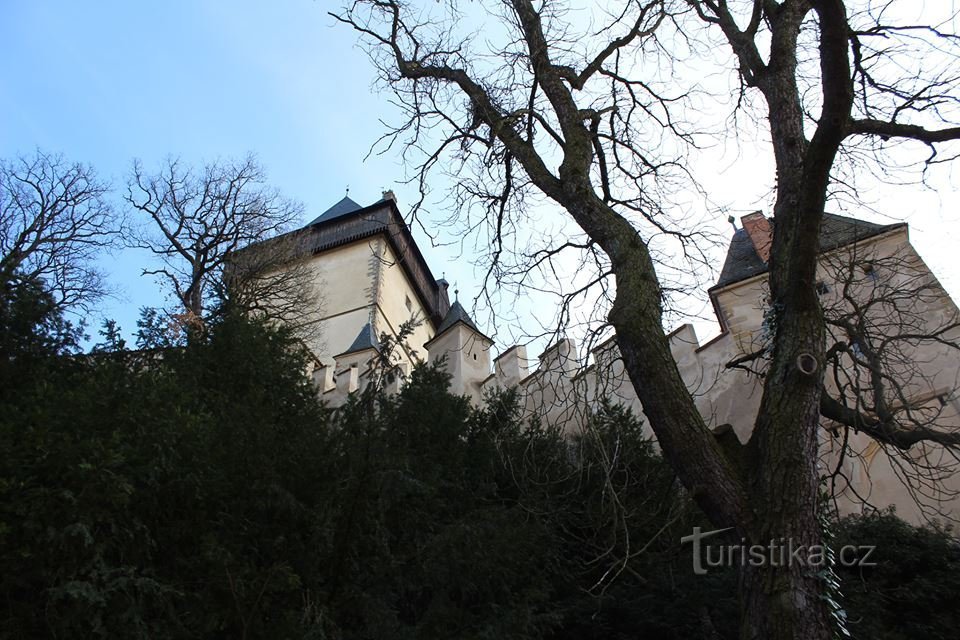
204 491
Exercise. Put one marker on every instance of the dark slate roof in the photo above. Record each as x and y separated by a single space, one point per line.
366 339
342 208
342 224
742 260
456 314
835 231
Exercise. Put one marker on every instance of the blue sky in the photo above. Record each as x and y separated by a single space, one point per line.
105 82
108 81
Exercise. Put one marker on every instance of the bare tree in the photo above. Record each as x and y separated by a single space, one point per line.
274 279
195 222
893 334
593 118
55 221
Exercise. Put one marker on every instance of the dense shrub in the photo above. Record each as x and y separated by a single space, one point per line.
910 587
203 491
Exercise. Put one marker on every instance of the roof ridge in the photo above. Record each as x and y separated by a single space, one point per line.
742 260
857 221
345 206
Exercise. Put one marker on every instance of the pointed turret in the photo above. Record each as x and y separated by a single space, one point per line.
467 351
366 339
457 314
355 361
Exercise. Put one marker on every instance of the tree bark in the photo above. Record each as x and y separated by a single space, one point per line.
767 491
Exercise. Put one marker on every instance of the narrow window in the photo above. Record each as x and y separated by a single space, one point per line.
409 304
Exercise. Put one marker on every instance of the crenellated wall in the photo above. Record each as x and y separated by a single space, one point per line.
563 386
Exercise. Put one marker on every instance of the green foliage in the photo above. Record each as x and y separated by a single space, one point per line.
159 496
153 330
32 330
911 589
203 490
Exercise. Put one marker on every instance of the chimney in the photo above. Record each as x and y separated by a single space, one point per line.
761 235
443 297
389 195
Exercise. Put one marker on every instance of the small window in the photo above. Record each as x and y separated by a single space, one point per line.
474 356
822 288
406 300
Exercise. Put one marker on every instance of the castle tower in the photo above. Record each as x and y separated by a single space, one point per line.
371 277
466 349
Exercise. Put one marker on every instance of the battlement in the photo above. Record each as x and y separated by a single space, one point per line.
560 386
353 374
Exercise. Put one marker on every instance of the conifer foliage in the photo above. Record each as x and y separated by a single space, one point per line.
204 491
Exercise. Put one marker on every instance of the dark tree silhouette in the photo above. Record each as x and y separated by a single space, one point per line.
199 223
591 117
55 220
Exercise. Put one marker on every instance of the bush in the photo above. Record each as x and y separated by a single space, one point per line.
203 491
911 590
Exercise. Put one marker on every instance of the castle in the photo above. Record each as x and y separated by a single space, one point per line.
374 279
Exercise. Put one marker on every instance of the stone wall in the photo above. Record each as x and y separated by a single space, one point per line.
562 386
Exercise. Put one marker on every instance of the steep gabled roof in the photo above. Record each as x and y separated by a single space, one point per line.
836 231
742 261
456 314
366 339
342 208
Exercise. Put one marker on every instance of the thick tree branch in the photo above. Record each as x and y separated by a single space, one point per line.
870 126
887 432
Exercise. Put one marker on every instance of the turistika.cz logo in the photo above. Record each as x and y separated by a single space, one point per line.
781 552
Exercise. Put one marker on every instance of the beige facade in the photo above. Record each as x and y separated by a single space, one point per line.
364 284
369 283
373 281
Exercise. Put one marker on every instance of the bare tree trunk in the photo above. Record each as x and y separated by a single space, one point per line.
781 604
197 221
773 498
767 492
